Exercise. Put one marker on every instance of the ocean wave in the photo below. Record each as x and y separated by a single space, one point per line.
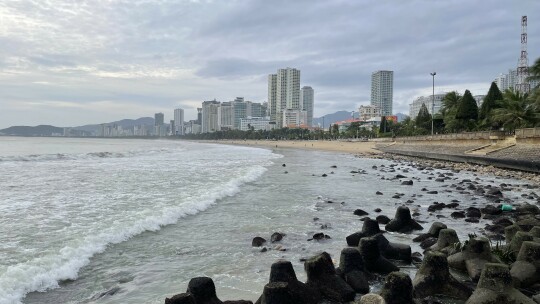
81 156
43 273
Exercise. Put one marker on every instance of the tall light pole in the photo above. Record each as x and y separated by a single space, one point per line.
433 102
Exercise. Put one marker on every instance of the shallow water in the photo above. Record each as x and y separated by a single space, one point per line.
134 224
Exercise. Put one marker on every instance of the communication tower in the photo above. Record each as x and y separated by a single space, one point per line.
522 84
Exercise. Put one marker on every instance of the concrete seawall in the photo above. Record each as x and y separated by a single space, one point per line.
515 164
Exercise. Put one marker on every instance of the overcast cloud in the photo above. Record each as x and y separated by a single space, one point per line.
69 63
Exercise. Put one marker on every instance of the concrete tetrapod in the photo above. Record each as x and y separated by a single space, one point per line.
403 221
474 255
526 270
518 239
369 228
183 298
446 243
203 290
434 230
434 278
373 260
283 271
353 270
277 293
394 251
321 275
397 289
495 286
510 231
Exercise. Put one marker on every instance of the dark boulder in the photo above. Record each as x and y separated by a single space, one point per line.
382 219
491 210
457 214
473 212
276 237
257 241
360 212
407 183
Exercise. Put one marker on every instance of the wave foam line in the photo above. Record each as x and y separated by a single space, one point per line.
44 273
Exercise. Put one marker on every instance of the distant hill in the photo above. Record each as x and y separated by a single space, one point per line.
41 130
332 118
124 123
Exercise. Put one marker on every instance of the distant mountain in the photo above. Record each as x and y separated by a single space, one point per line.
401 117
41 130
124 123
332 118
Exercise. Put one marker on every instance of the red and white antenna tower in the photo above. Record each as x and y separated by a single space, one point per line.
522 84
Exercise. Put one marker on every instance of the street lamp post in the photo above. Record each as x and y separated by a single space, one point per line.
433 102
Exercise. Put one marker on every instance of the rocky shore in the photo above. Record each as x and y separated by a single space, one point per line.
500 265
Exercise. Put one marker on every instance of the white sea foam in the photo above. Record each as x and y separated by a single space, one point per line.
77 223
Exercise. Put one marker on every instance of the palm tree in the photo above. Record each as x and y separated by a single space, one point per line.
517 111
534 71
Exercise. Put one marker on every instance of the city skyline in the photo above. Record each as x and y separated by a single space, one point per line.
71 64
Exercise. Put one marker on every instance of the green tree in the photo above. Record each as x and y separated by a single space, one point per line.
449 109
423 119
517 111
382 126
534 71
467 111
490 102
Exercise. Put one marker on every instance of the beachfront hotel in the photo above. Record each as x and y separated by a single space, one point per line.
382 88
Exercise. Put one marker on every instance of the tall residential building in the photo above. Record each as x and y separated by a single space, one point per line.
159 125
199 116
240 110
382 88
226 116
507 81
415 106
272 96
178 122
287 93
209 117
307 98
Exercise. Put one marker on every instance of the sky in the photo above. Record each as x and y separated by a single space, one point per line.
70 63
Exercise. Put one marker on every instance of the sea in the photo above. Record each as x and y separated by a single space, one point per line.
133 220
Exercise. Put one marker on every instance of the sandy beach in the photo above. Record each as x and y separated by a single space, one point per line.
357 148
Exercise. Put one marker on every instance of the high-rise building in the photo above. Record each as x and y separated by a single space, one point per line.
272 96
226 116
240 110
199 116
382 87
210 116
159 125
306 96
510 80
178 122
159 119
286 85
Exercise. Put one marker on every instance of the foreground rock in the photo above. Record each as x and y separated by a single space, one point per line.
321 275
433 278
495 286
526 270
474 255
353 271
298 292
403 221
369 228
447 242
397 289
373 260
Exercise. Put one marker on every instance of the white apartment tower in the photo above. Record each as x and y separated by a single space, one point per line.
210 116
382 87
306 95
287 93
226 116
178 122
